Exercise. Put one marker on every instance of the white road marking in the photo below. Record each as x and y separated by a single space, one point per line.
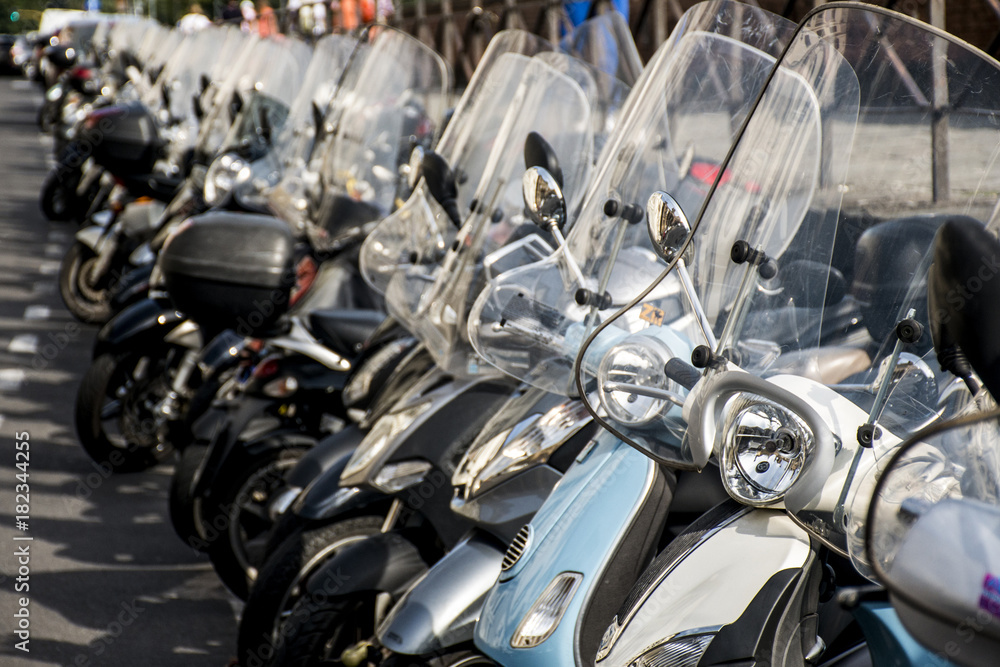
56 236
23 344
11 379
49 268
21 84
54 250
37 313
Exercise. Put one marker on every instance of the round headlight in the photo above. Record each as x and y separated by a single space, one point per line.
765 449
638 361
224 174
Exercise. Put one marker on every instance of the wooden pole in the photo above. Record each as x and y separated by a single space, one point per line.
939 124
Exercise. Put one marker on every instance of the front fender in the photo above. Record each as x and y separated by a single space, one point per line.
387 562
221 353
324 498
440 610
90 237
144 324
328 453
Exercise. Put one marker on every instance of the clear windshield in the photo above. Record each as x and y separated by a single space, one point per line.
293 143
677 127
606 43
934 519
270 67
419 232
810 258
391 107
393 93
179 82
433 302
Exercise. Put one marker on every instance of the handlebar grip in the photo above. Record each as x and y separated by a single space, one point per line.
682 373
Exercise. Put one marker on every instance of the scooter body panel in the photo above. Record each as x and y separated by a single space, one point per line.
577 530
144 324
132 287
222 446
709 584
888 640
442 607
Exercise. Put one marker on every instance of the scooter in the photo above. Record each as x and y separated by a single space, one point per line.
103 254
312 333
147 320
574 563
930 533
799 451
388 450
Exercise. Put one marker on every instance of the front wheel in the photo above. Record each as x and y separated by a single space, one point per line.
185 506
324 630
58 199
278 584
87 296
115 411
236 516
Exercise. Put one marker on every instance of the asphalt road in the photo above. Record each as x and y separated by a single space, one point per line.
108 582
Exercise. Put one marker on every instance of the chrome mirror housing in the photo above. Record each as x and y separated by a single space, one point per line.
667 225
543 198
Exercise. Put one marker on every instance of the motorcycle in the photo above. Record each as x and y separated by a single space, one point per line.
319 349
410 451
104 253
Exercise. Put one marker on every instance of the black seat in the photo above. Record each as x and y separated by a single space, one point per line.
344 331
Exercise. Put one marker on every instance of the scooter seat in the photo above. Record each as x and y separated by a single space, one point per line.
344 331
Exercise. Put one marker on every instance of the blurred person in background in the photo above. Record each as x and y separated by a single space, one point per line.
194 20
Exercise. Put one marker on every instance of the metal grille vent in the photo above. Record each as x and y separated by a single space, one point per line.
516 548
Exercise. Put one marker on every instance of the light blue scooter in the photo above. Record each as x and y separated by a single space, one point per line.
570 568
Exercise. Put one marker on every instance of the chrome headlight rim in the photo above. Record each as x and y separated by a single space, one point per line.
746 460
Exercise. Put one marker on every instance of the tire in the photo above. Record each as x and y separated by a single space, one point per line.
235 516
118 431
46 116
58 196
456 658
275 590
319 630
87 302
185 507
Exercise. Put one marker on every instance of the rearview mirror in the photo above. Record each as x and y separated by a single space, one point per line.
439 179
962 296
543 198
539 153
317 118
667 225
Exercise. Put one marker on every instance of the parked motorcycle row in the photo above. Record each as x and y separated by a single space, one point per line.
592 363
